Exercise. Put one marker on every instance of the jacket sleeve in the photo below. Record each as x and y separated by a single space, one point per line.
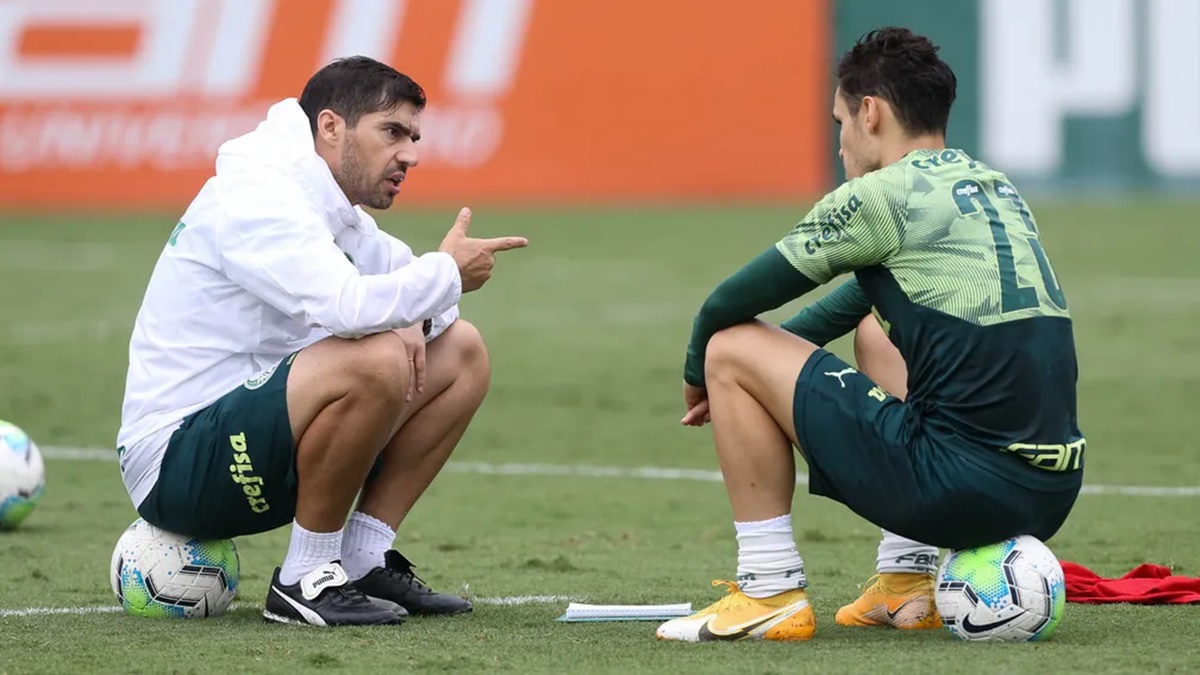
277 247
398 255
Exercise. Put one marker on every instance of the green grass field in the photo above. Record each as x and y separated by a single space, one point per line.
587 328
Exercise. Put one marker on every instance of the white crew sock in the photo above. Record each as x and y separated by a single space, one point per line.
308 551
897 554
768 563
367 539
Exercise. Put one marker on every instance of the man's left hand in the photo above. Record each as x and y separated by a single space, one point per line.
696 400
414 345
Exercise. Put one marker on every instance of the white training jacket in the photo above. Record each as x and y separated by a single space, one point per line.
269 258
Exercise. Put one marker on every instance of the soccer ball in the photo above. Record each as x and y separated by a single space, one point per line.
157 573
1013 591
22 475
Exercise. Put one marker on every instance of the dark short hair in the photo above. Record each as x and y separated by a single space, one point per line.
902 68
355 86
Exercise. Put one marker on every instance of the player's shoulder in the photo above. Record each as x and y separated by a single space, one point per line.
252 194
879 193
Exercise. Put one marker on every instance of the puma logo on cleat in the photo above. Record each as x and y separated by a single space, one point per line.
326 576
842 373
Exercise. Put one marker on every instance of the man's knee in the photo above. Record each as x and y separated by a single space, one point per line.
468 348
377 366
753 347
726 349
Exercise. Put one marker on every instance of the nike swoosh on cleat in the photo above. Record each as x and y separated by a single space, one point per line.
706 632
892 615
969 627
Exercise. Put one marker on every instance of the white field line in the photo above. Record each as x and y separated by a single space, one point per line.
507 601
651 473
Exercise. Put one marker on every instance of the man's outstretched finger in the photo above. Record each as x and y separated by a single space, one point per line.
505 243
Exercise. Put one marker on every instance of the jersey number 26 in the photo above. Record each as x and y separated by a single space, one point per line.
970 196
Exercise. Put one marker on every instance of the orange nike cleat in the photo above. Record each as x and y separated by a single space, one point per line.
737 616
898 599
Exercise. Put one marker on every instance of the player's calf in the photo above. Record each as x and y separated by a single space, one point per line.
350 393
343 399
429 430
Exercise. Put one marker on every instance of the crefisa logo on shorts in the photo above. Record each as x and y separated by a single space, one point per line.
241 473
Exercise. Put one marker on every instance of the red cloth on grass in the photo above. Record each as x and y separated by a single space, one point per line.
1145 584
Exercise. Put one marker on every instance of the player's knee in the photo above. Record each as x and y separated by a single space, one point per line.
471 347
379 368
725 350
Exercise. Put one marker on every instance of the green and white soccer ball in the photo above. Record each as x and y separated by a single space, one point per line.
1013 591
22 475
156 573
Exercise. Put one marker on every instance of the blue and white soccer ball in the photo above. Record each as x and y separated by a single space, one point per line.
1013 591
22 475
156 573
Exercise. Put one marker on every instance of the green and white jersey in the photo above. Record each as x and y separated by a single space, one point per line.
949 256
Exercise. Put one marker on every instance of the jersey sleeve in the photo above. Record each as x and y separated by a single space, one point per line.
399 255
831 317
763 284
858 225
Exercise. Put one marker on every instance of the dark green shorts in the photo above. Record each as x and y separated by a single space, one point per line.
870 451
230 469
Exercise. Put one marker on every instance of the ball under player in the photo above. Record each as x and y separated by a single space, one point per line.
960 428
290 357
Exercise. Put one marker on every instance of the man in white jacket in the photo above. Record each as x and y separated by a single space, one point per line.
279 363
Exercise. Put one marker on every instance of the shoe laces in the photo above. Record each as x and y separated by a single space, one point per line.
732 599
349 593
402 568
730 586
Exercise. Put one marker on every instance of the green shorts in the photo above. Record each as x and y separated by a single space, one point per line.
230 469
871 451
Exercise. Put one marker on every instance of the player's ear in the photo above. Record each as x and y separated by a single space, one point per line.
330 126
871 112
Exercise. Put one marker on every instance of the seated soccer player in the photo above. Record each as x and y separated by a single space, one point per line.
960 430
289 355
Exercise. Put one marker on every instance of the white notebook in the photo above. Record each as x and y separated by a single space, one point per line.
578 611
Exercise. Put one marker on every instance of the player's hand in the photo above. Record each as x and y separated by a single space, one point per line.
475 257
414 345
696 400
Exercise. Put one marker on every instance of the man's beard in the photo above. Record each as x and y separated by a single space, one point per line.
353 178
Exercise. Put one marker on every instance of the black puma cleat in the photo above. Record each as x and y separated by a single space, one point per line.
324 597
396 582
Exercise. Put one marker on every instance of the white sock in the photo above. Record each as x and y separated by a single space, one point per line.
897 554
768 562
367 539
308 551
